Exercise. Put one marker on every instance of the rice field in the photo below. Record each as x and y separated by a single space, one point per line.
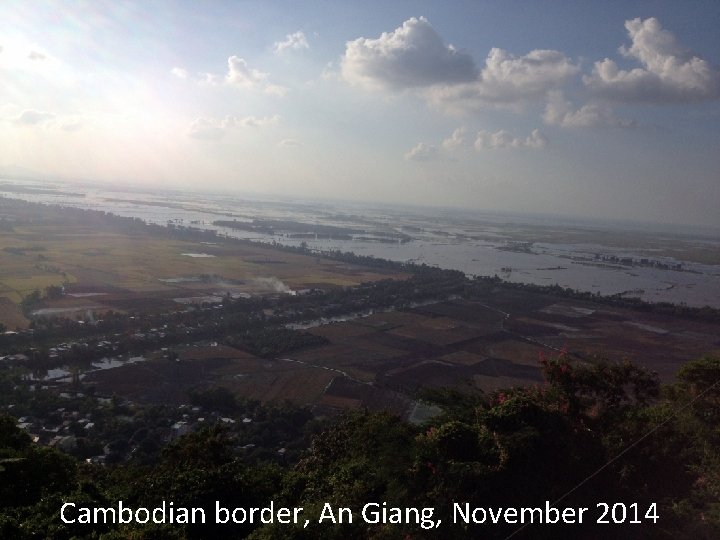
35 256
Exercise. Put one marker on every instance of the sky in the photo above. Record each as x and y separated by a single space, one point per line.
598 109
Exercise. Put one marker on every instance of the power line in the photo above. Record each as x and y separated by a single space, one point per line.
625 451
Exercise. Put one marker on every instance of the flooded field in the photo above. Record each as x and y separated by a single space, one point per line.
625 259
64 374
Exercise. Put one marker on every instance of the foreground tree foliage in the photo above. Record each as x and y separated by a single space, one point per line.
602 432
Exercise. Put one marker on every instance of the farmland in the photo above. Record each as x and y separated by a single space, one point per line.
381 361
471 345
133 340
103 268
206 311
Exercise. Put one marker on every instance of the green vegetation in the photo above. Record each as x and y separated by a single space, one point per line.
271 342
602 433
593 431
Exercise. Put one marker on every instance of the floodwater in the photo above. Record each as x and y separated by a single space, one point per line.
64 374
61 311
475 243
199 300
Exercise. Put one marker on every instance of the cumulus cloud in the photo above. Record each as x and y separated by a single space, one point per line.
414 56
252 121
670 73
179 72
241 74
456 140
411 56
559 112
444 151
423 152
206 129
295 41
507 79
31 117
486 140
213 129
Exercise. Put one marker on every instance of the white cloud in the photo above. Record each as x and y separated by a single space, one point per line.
179 72
34 55
507 79
559 112
536 140
213 129
411 56
212 79
329 72
240 74
456 140
414 56
423 152
502 139
289 143
206 129
32 117
670 72
293 41
251 121
275 90
484 140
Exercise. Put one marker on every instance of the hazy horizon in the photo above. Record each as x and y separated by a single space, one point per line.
602 111
459 212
